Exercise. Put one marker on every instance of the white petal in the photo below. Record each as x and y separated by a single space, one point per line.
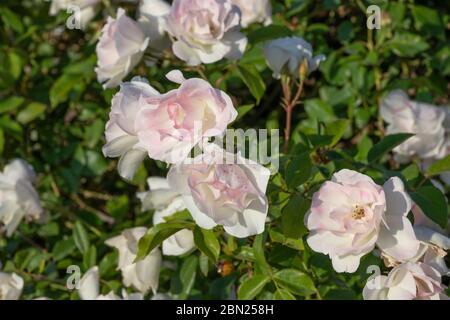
397 238
348 263
176 76
398 201
130 162
89 285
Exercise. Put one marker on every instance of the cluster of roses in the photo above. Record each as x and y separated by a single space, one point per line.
218 187
351 215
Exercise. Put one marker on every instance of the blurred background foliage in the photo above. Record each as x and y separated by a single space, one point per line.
53 112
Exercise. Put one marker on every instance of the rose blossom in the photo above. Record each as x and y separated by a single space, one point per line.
18 198
90 288
425 121
144 274
88 9
286 55
152 19
205 30
169 125
11 286
120 133
120 48
254 11
408 281
166 202
220 188
351 213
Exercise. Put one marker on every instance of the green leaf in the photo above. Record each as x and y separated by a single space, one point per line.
427 20
204 264
292 216
60 90
296 244
90 257
252 79
283 294
407 44
80 237
387 144
340 294
157 234
336 129
251 287
261 265
207 242
11 20
440 166
298 170
188 273
11 103
31 112
270 32
295 281
2 141
242 110
63 248
433 203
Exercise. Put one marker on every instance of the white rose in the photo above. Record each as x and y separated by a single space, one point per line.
166 202
11 286
220 188
120 133
152 18
89 288
205 30
254 11
285 55
87 9
120 48
408 281
18 198
142 275
425 121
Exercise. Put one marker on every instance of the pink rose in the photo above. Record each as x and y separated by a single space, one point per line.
205 30
408 281
220 188
120 48
351 214
120 132
169 125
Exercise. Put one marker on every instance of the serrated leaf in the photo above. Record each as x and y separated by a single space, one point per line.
387 144
157 234
251 287
283 294
295 281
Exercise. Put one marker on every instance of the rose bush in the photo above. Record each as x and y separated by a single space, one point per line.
223 149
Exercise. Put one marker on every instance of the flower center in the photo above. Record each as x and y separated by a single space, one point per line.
358 212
